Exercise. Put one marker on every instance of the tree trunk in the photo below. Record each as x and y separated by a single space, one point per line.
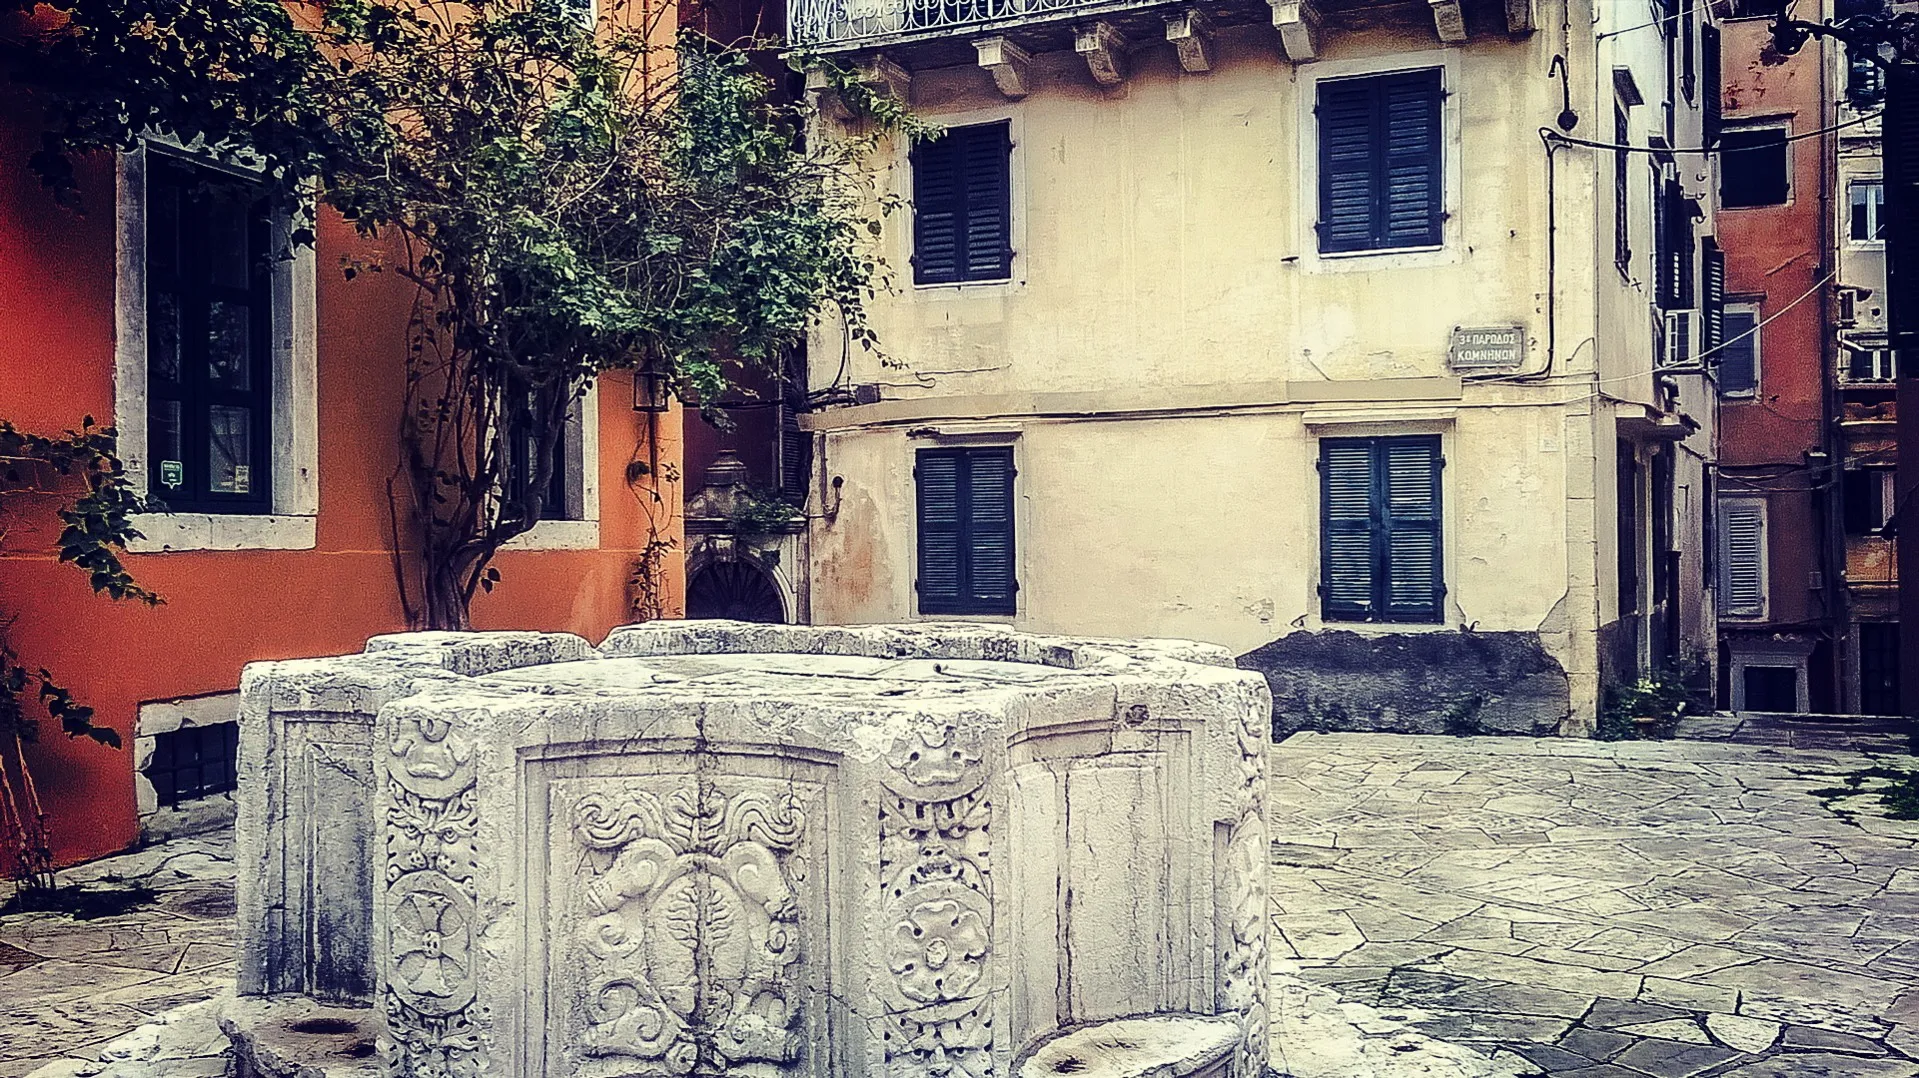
445 595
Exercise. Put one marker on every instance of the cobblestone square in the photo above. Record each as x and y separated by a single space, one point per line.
1666 909
1604 910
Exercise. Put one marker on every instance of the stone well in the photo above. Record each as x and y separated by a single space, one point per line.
721 848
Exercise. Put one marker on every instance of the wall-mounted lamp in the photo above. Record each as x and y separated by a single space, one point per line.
652 390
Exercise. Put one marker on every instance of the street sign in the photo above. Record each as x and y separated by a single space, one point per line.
1478 348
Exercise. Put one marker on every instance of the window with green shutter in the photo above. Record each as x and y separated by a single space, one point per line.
966 531
1380 179
962 206
1380 548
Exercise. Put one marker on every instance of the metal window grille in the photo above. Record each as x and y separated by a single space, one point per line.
194 761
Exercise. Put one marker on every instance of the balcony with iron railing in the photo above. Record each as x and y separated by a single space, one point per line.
1003 35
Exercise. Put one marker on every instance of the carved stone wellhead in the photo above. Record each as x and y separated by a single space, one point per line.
714 848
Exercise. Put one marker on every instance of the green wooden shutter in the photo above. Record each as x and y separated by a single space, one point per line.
940 531
962 206
1409 494
1742 561
1380 158
1713 303
989 547
1711 92
986 156
1412 194
1346 165
938 211
1346 529
966 550
1738 375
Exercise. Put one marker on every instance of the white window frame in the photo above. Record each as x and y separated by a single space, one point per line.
583 460
962 436
1883 359
1875 213
1015 279
1757 336
1783 653
1386 423
1723 532
1451 155
292 525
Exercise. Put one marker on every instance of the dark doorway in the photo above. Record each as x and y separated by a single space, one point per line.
1772 688
1879 667
735 590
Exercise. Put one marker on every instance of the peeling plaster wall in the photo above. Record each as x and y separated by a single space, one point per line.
1423 683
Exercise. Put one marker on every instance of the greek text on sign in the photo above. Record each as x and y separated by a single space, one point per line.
1481 347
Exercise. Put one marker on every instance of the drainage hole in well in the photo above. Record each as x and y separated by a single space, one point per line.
323 1025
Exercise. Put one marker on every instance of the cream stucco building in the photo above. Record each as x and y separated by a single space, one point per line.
1300 329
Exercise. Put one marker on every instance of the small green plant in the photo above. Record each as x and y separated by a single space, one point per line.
1650 708
96 507
1462 716
760 512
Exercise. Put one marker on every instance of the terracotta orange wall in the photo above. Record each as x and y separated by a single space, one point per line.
225 609
1777 252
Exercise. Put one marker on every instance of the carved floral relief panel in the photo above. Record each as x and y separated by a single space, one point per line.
936 903
679 921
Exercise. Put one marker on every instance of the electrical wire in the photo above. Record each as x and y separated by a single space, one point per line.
1551 135
1701 357
1642 26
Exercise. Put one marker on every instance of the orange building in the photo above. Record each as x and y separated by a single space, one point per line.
269 415
1781 610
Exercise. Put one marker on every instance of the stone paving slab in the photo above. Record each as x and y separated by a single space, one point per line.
70 988
1681 909
1859 733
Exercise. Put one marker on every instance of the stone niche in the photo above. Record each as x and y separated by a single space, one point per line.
721 848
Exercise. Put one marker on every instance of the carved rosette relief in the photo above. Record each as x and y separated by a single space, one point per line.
427 962
1247 853
937 896
687 905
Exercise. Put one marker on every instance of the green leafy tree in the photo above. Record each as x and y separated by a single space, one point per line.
79 471
564 201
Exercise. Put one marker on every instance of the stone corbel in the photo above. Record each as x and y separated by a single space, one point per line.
1519 17
1298 24
820 90
1192 39
876 73
883 76
1010 66
1450 19
1104 50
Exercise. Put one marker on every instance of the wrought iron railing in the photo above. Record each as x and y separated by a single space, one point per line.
828 22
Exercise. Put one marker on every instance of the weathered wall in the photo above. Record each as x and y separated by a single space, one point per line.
1425 683
1775 256
1172 346
226 608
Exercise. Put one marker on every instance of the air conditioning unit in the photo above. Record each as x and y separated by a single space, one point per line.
1680 342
